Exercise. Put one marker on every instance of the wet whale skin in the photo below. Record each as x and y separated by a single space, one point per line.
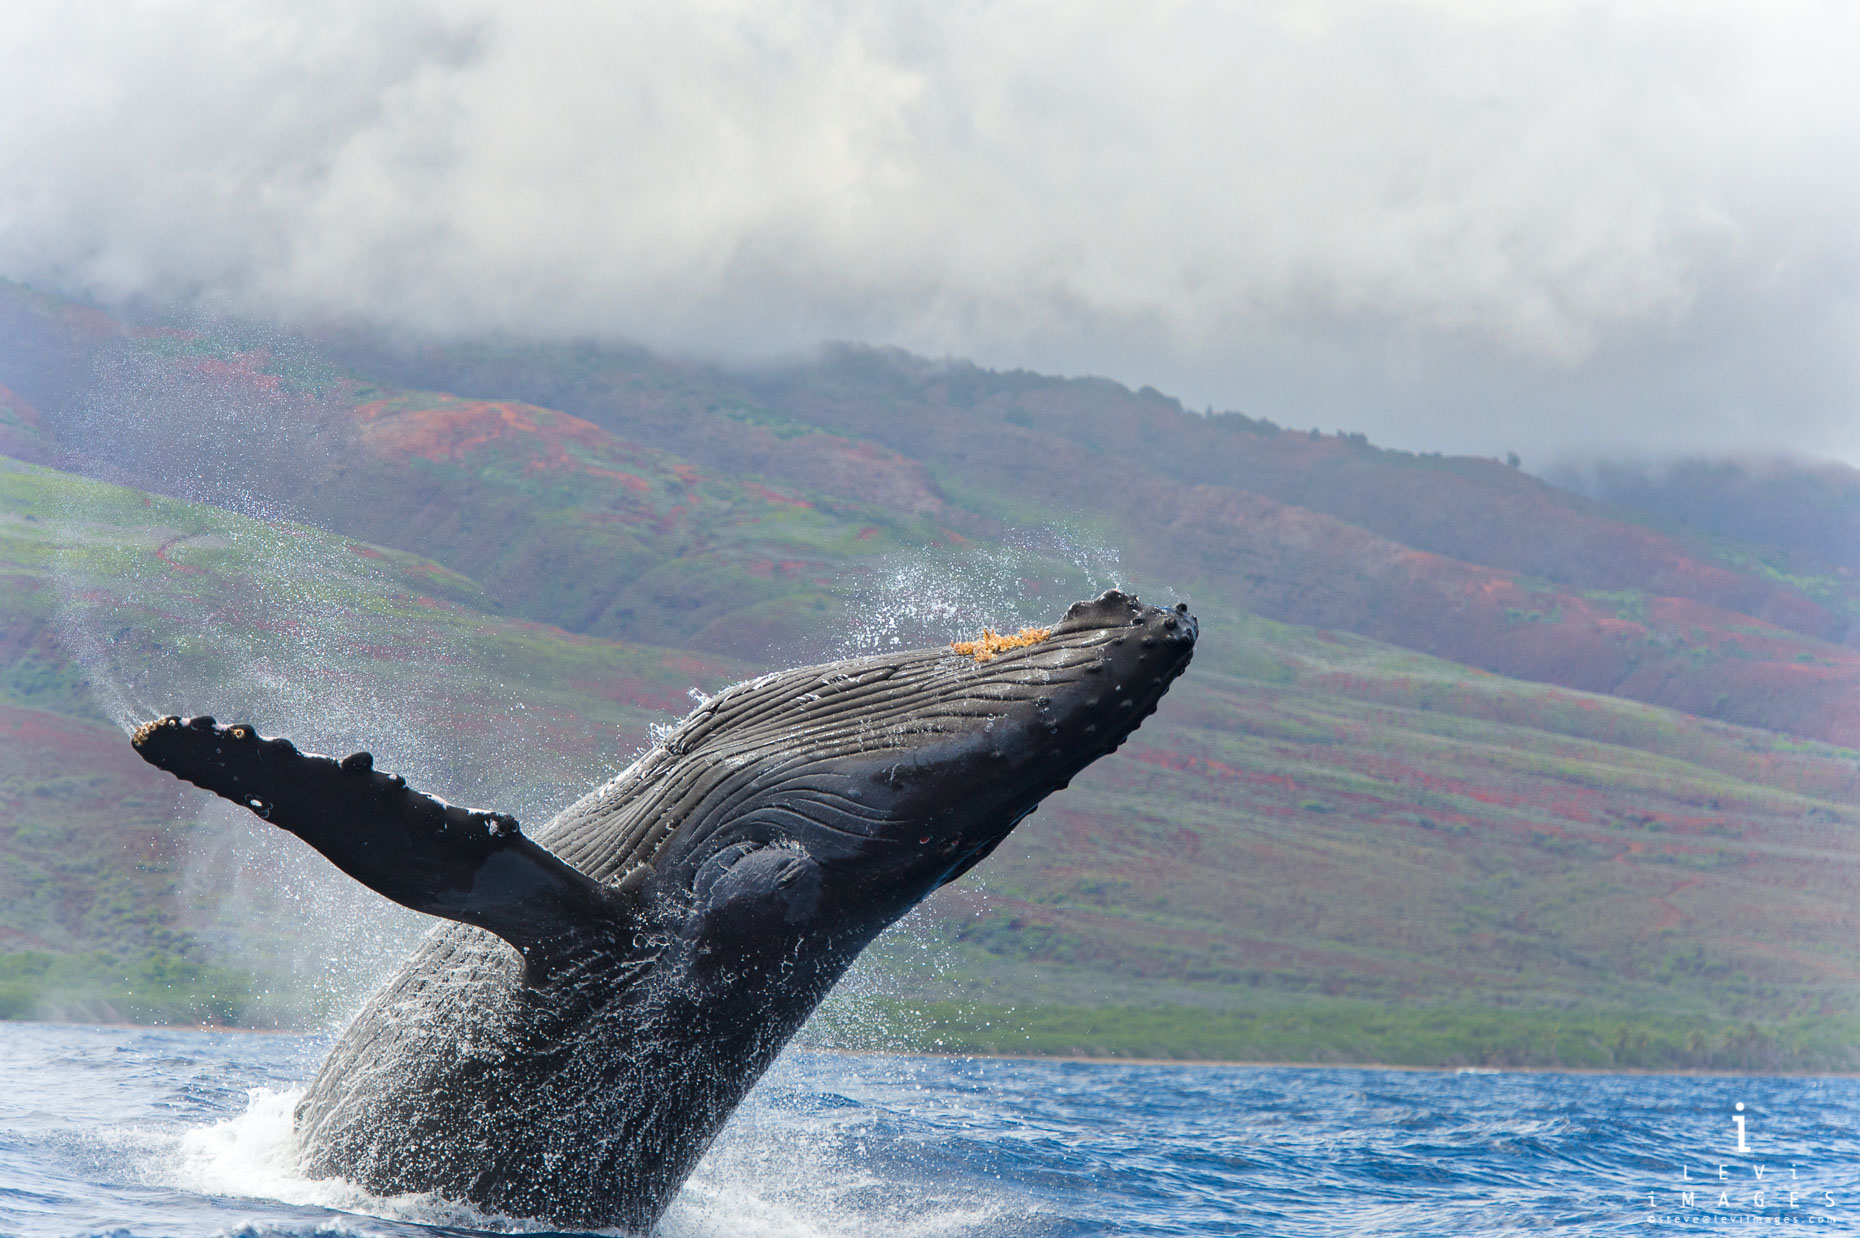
609 989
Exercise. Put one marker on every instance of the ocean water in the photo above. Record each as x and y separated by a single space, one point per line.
135 1131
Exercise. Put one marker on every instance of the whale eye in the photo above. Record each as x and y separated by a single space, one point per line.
259 806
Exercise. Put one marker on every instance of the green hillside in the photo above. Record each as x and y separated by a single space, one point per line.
1336 845
1323 847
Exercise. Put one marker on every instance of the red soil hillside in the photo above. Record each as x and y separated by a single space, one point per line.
575 525
694 411
1465 508
616 494
1297 566
443 428
1466 559
561 520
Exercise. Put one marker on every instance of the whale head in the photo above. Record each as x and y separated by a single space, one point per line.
828 801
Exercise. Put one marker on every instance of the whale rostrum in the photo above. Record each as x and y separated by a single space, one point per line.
664 936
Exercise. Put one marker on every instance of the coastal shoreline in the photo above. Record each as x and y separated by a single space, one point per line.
1085 1059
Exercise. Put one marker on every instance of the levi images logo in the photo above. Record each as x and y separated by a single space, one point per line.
1725 1191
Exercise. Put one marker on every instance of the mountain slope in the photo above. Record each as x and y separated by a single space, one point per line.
1617 607
1012 423
1314 818
739 512
1795 518
1341 821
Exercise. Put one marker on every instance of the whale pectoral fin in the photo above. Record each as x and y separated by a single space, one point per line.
755 893
458 863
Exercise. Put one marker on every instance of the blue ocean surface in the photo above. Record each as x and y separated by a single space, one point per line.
137 1131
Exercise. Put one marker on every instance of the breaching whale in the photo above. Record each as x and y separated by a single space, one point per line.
666 934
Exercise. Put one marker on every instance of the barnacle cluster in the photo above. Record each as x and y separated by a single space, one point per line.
990 642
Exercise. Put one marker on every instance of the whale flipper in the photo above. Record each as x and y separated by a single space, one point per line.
458 863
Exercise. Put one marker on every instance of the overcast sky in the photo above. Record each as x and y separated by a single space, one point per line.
1551 228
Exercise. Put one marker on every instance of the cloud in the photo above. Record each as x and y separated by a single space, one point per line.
1553 226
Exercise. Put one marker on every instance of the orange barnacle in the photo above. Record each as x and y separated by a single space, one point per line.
990 642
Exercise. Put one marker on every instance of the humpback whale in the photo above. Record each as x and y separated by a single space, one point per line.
605 993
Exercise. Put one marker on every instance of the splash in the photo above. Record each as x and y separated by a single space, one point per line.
193 595
254 1156
793 1163
1018 583
173 607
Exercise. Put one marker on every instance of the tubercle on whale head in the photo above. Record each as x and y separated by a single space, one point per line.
1110 609
1099 672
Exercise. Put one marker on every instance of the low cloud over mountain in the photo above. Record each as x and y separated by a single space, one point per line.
1552 228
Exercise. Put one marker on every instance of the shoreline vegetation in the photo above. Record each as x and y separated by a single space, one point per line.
1348 1032
1319 1031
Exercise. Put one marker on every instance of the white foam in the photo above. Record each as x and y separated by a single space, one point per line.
930 597
769 1209
255 1156
775 1173
798 1184
252 1154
